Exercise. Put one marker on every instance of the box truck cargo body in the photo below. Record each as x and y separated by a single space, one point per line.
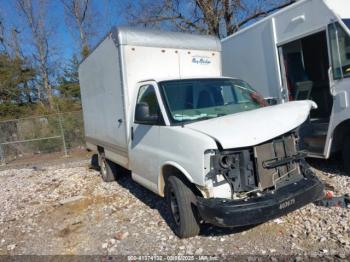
157 104
110 75
301 52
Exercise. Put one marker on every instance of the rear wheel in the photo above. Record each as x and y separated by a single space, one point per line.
346 155
108 169
181 204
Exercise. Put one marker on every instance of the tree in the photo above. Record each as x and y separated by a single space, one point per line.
14 78
40 31
17 72
14 43
215 17
4 39
78 17
2 36
69 82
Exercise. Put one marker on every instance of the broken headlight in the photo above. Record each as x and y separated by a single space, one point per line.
237 167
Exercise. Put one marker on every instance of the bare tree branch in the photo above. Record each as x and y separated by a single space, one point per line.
36 22
77 14
215 17
85 9
261 13
2 36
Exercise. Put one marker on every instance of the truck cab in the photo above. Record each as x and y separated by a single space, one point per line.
157 104
216 137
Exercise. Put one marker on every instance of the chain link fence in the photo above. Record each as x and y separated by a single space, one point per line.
26 137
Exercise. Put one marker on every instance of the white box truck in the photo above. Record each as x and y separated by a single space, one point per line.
301 52
156 104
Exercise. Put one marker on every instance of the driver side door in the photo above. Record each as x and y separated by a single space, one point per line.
144 152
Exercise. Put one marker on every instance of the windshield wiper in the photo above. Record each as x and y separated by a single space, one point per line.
206 117
185 122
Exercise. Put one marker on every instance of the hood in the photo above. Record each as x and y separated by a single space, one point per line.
256 126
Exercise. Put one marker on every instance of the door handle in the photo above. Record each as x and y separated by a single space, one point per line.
120 121
132 133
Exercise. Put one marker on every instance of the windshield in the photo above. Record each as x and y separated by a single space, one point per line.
200 99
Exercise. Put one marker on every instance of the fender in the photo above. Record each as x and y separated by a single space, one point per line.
161 182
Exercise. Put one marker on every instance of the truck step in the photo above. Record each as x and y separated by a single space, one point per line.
315 144
319 129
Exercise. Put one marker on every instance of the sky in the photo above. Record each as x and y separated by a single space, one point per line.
63 44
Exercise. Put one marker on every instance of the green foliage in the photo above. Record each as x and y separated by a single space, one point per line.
14 79
85 51
69 82
15 89
13 110
47 129
73 127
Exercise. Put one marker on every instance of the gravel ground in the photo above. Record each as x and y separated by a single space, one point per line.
67 209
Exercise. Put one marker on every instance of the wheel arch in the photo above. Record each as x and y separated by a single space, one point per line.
173 168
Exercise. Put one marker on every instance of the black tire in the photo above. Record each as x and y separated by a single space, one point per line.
346 155
108 169
181 204
94 162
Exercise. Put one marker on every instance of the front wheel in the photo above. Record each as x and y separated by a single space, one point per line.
346 155
181 204
108 169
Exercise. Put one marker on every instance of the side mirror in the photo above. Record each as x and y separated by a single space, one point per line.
142 115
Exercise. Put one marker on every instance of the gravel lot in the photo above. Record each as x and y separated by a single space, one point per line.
67 209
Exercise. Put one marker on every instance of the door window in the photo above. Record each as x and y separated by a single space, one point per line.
340 51
147 95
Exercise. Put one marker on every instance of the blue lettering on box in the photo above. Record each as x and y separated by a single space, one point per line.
201 60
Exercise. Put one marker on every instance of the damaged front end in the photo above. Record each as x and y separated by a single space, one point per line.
253 185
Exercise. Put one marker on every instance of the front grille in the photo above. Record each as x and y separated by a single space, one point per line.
277 149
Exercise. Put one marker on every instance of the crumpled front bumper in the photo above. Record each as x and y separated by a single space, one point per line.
236 213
